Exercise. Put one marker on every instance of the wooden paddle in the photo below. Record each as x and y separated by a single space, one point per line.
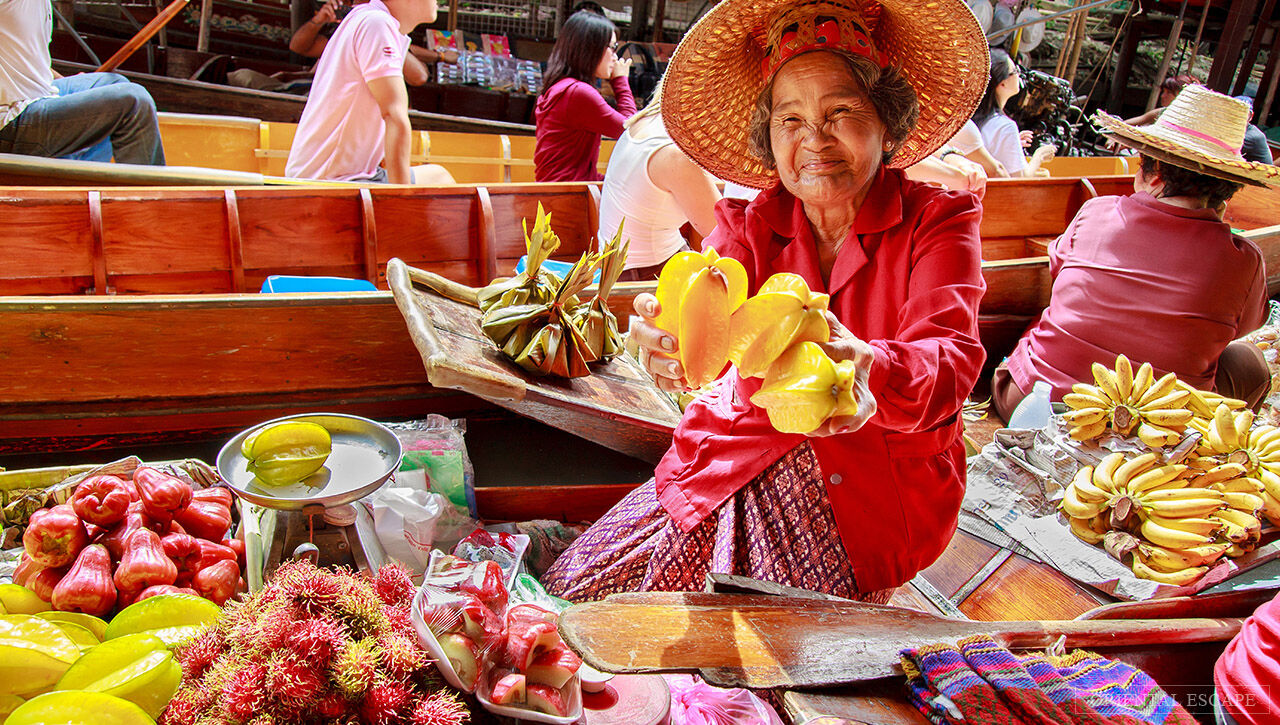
142 36
763 641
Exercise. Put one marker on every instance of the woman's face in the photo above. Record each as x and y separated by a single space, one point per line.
1009 87
826 135
604 69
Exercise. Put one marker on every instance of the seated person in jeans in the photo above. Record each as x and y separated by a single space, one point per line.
41 115
1158 275
357 113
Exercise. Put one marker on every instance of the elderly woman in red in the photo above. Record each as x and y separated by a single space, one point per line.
832 90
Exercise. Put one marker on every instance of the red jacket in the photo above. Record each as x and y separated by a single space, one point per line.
571 116
1247 675
907 281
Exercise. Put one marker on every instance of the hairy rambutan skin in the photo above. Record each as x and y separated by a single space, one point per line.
354 668
183 709
294 683
202 652
316 641
400 655
243 696
384 703
394 584
332 707
441 707
400 620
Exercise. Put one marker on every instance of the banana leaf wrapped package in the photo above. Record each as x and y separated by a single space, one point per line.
597 322
534 285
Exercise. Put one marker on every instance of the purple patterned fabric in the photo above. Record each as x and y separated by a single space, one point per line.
777 528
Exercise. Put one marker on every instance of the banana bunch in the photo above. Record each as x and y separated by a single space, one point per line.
534 285
784 312
1128 403
697 294
803 388
596 321
544 337
1182 519
1230 436
1203 403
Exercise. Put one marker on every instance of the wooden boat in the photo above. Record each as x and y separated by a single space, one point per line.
132 313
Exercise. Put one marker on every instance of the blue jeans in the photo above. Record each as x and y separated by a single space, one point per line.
90 108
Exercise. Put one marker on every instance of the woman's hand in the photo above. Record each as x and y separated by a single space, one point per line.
1024 138
327 13
656 348
974 176
843 345
621 67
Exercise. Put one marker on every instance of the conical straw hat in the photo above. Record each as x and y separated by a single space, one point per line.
1202 131
717 72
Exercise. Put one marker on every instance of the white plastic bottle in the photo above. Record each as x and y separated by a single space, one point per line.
1034 410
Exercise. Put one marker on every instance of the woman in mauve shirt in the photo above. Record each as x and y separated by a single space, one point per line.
571 115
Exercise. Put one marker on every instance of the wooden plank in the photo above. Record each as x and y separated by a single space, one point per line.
235 242
571 504
99 250
962 557
1023 589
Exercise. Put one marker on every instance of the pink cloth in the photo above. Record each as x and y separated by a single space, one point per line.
341 134
1159 283
907 280
1247 674
571 116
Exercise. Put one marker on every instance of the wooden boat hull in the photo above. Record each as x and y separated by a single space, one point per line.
130 313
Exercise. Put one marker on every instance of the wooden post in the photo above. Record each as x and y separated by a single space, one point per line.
206 17
1076 47
299 13
659 20
1195 44
1124 64
453 20
639 19
1251 55
1175 35
1271 75
1064 53
1228 52
163 36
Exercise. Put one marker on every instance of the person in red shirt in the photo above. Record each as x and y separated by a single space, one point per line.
571 115
1157 275
805 99
1246 676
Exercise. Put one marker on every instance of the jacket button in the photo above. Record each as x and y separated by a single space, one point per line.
836 479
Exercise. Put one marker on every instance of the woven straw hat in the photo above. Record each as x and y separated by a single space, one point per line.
1201 131
717 72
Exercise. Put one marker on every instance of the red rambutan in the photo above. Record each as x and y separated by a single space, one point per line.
311 590
183 709
385 702
354 668
399 619
243 695
394 584
400 655
332 707
294 683
197 656
441 707
316 641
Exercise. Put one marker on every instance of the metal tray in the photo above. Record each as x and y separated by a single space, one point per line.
365 454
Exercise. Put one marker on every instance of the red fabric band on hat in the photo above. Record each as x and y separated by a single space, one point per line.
1200 135
827 36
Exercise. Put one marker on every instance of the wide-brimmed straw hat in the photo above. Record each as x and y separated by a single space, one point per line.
723 62
1202 131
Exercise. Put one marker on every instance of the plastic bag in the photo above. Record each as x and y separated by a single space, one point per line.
694 702
435 459
506 549
410 521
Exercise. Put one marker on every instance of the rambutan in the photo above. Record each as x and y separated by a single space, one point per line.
197 656
243 696
332 707
385 702
183 709
354 668
394 584
294 683
441 707
362 614
316 640
257 637
399 619
311 590
400 655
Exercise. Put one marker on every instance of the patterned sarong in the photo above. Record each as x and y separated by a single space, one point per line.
779 527
979 681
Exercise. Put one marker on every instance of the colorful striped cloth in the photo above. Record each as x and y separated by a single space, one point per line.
979 681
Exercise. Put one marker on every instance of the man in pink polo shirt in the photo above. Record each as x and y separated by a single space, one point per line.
357 115
1157 275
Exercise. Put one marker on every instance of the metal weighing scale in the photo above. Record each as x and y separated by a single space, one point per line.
314 518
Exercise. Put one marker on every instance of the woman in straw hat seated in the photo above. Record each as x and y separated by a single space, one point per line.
821 103
1157 275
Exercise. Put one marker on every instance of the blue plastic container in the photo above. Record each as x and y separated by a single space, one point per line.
291 283
552 265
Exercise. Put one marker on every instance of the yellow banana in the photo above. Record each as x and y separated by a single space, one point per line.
1083 530
1074 507
1171 560
1176 399
1241 501
1123 378
1178 494
1237 550
1142 381
1103 475
1243 422
1129 468
1196 400
1265 437
1243 484
1088 432
1087 396
1168 417
1239 526
1224 427
1177 579
1105 379
1180 507
1085 488
1158 390
1271 508
1190 524
1171 538
1157 436
1270 482
1085 416
1224 472
1155 477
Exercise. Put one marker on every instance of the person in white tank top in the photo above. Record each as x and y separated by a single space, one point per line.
651 188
